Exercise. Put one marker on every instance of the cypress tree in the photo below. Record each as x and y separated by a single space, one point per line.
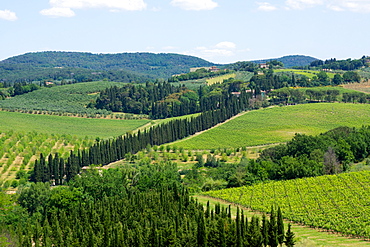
201 234
264 230
238 230
289 237
273 241
280 227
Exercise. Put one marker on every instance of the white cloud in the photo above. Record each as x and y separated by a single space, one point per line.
64 8
58 12
220 52
195 4
8 15
169 48
266 7
302 4
336 5
226 45
356 5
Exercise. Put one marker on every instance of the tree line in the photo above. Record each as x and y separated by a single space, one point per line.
298 96
347 64
163 100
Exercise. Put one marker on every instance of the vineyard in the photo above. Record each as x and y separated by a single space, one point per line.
338 203
279 124
71 98
18 150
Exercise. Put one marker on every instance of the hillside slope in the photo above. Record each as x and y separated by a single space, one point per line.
291 60
279 124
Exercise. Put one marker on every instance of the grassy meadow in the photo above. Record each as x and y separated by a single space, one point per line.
220 79
309 73
279 124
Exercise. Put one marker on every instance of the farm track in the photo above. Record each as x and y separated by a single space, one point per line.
308 237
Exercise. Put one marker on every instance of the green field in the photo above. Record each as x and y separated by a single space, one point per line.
80 127
220 79
332 202
71 98
309 73
279 124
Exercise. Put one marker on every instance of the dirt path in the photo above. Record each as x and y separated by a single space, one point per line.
306 236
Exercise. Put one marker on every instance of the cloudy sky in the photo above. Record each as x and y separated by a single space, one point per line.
221 31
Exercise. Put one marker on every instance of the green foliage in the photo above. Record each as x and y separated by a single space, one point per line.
331 202
116 208
334 64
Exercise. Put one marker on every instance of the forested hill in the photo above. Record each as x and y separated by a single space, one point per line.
290 61
144 64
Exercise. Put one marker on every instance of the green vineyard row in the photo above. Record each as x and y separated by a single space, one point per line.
339 203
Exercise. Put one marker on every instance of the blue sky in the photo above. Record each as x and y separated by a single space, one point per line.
220 31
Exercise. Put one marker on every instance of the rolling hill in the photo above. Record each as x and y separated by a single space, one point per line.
81 66
290 61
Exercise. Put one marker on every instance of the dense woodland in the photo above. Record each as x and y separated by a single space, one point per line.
142 206
124 67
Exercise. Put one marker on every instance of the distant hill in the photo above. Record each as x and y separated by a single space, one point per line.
290 61
121 66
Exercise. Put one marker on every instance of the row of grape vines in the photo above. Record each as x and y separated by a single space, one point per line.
339 203
18 150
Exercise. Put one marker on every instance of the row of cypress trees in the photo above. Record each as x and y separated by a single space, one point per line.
104 152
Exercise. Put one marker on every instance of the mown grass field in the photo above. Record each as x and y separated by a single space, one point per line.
80 127
279 124
309 73
220 79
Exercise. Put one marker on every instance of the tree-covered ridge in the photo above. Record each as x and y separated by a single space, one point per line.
23 73
348 64
120 64
290 61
